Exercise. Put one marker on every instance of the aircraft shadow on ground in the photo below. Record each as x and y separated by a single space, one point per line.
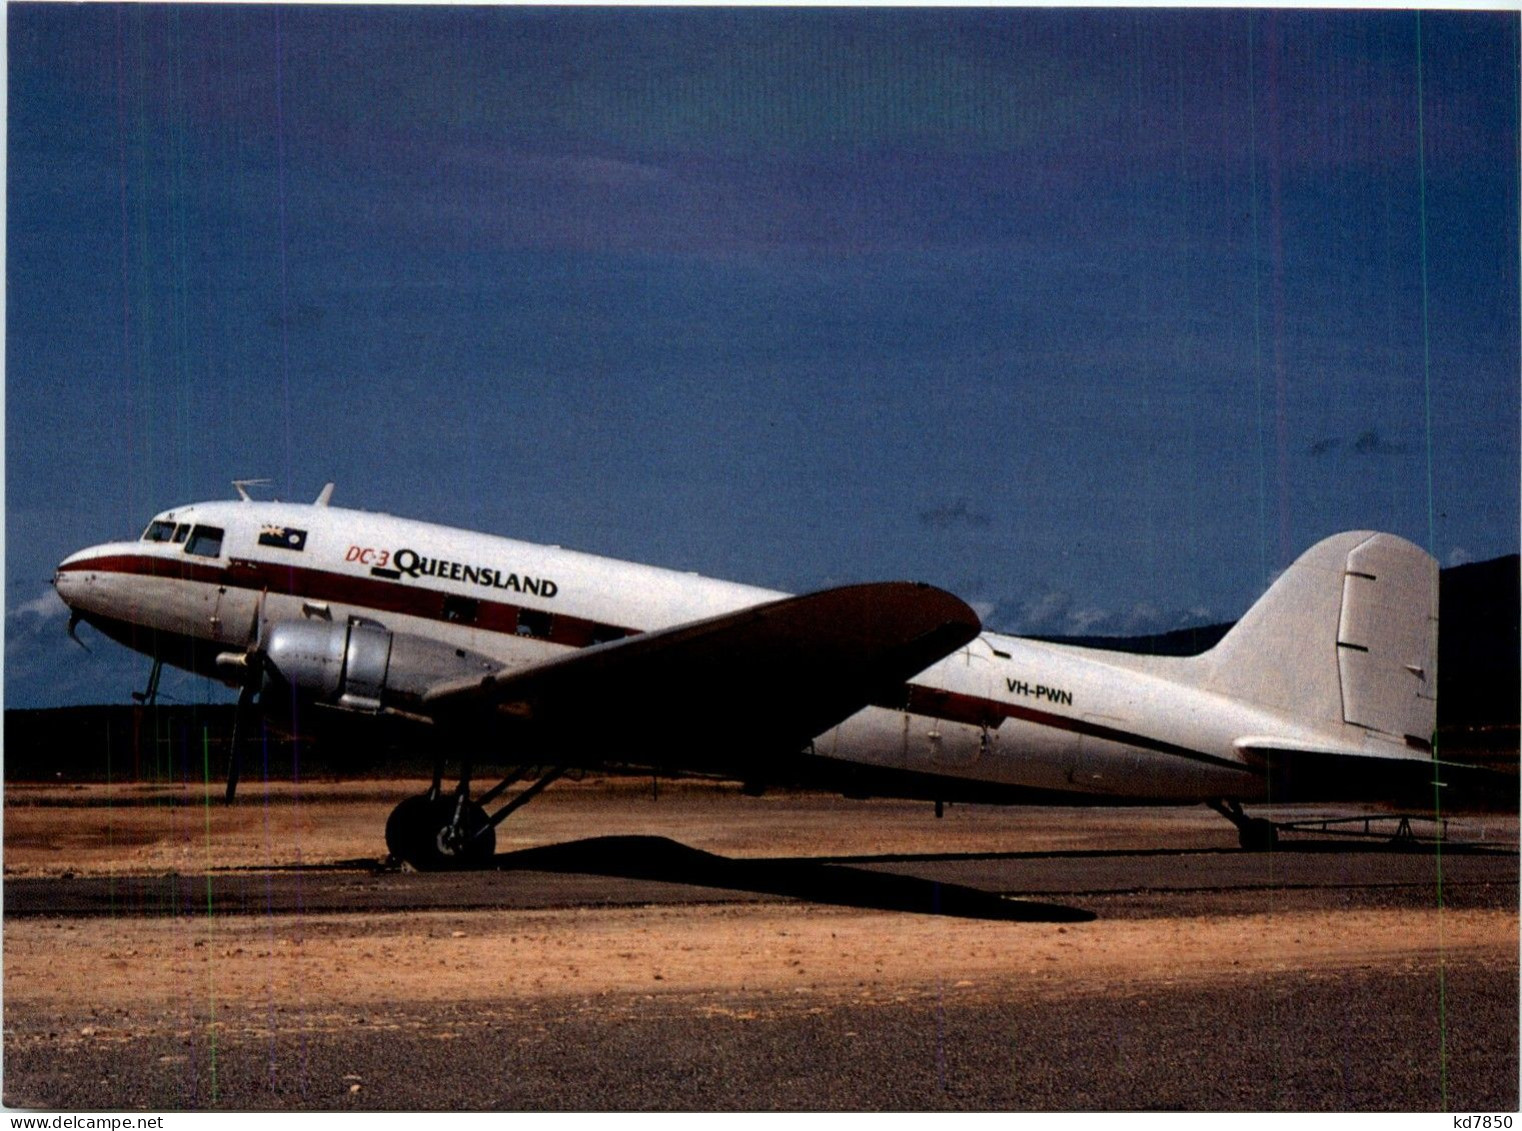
658 858
714 865
1328 846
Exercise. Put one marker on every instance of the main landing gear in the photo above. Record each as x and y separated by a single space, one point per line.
149 697
1255 834
438 831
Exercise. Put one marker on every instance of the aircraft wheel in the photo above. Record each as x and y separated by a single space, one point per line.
419 832
402 827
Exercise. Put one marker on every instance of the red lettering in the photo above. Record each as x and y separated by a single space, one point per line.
353 554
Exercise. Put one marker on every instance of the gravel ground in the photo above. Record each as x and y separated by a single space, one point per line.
714 952
1277 1043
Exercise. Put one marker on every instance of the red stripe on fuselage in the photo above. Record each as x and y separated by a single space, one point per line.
495 616
363 592
974 710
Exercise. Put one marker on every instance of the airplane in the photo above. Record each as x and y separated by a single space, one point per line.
464 642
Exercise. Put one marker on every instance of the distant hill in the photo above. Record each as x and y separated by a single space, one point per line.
1478 644
1478 670
1179 642
1479 691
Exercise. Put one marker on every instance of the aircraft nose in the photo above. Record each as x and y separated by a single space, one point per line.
73 576
67 581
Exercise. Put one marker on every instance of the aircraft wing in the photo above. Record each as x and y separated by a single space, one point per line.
1303 772
766 679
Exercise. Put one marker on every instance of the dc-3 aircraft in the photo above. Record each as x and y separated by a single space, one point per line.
1324 690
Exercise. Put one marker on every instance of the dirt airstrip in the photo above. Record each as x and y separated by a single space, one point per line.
100 986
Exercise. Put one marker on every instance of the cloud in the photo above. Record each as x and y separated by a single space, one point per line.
1370 444
42 608
1367 443
1055 613
32 636
1459 556
593 170
956 513
1087 621
1142 617
1047 613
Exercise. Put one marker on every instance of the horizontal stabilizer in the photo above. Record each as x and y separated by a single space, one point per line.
1299 771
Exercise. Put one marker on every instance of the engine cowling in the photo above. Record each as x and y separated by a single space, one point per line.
361 665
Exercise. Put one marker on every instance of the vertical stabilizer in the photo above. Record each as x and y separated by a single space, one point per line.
1347 634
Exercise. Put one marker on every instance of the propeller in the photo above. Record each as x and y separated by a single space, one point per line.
240 716
74 618
252 664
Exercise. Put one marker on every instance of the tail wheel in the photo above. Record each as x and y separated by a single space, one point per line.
1255 834
422 831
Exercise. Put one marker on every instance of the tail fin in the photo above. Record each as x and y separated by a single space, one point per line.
1348 634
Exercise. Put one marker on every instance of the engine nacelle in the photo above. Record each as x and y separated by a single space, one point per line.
361 665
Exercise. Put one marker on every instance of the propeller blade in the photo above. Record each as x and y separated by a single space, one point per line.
74 619
251 683
252 641
253 679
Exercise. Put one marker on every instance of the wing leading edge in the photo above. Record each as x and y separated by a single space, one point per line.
763 680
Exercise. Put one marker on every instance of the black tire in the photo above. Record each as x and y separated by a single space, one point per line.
1258 835
419 833
403 827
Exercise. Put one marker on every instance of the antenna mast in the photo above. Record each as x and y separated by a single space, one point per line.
242 484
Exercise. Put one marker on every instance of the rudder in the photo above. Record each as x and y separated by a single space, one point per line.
1347 634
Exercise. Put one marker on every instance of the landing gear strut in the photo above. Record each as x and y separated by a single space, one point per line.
149 697
1255 834
438 831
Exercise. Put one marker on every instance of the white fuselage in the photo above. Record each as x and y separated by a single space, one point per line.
1005 711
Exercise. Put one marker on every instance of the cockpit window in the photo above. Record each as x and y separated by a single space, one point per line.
181 531
205 541
159 531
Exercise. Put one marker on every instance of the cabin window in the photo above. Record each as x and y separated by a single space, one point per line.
159 531
461 610
603 633
206 541
532 622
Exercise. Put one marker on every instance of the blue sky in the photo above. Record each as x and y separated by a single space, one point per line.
1096 318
